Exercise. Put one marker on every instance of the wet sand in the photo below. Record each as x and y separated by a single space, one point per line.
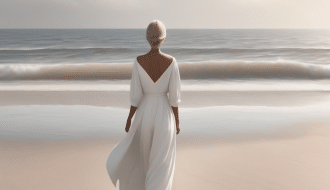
190 99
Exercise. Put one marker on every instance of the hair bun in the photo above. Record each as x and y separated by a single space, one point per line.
156 31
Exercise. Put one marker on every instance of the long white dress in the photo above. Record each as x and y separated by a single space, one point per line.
145 158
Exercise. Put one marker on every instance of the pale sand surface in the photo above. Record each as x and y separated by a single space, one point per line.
286 161
120 99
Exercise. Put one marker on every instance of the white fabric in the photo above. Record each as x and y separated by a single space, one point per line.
145 158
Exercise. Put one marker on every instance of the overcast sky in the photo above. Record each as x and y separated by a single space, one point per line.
173 13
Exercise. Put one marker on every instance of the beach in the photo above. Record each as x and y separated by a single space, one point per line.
281 162
191 99
59 144
254 110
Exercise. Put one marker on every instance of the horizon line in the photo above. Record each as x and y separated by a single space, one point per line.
174 28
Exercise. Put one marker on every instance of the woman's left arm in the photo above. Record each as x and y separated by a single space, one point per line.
136 94
131 112
130 116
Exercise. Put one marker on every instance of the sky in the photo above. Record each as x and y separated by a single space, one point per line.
243 14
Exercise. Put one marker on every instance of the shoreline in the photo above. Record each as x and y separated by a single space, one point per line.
189 99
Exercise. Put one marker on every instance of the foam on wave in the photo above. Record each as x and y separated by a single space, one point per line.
200 70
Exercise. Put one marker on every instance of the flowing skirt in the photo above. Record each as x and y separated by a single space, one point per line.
145 158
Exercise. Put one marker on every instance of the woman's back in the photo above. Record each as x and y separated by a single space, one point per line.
143 86
155 65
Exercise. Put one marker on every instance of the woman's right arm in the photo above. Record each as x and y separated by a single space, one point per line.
174 93
176 115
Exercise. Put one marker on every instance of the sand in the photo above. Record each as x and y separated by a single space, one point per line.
190 99
286 164
291 159
284 161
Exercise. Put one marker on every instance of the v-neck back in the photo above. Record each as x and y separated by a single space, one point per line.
160 75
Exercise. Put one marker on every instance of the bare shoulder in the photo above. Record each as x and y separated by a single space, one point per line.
162 58
169 59
142 58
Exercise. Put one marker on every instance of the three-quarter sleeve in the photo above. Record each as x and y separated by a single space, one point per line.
175 86
136 91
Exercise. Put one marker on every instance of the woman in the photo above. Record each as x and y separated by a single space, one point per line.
145 158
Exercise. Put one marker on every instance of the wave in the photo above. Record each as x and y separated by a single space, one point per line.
65 72
200 70
254 70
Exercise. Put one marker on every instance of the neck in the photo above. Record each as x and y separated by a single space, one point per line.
155 51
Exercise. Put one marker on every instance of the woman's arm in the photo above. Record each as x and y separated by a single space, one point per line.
177 121
132 112
130 116
136 94
174 93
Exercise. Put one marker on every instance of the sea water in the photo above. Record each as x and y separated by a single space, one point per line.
201 53
209 59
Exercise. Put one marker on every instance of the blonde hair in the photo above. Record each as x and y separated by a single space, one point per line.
156 31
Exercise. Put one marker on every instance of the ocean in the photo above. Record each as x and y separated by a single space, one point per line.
202 54
239 72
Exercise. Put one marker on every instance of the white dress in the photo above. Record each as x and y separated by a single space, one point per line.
145 158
